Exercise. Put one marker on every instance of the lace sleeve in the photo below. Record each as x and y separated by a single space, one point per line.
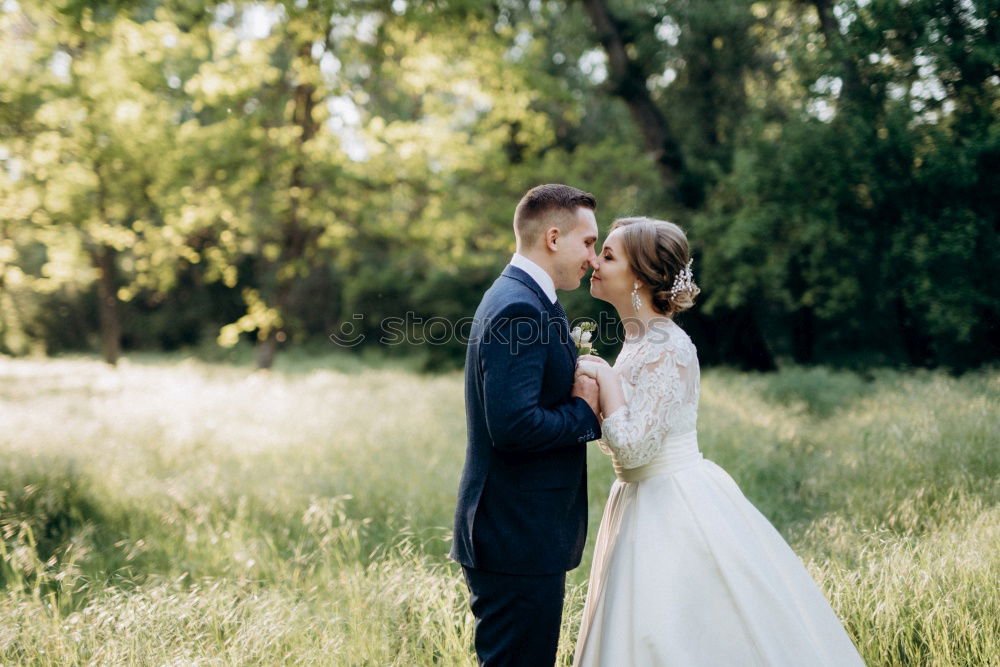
664 382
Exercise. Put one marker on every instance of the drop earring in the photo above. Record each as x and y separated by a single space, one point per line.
636 301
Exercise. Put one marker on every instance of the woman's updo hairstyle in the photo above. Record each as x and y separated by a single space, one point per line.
657 252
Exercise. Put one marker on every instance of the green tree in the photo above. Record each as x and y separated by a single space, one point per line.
862 212
91 122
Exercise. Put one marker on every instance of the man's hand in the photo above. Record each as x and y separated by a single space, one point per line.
587 388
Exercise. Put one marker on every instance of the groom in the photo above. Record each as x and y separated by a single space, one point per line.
521 519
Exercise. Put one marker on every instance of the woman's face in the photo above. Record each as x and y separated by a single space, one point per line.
612 278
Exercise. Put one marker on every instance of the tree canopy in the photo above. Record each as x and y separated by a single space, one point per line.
176 172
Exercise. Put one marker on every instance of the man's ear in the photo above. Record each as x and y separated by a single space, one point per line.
551 236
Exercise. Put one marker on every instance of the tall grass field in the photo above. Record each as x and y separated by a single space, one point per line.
177 512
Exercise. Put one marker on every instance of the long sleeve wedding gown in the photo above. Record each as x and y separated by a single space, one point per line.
686 571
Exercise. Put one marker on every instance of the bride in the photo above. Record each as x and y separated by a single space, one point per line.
685 571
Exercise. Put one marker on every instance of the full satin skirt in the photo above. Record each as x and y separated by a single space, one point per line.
686 571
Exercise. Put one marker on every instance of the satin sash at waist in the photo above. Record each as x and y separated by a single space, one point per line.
680 452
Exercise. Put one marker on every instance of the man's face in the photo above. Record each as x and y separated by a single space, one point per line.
576 250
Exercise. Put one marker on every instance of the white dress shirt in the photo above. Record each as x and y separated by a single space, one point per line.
537 273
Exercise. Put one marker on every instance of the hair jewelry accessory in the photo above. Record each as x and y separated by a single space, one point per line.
683 281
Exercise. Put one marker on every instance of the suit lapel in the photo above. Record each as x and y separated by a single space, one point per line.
521 276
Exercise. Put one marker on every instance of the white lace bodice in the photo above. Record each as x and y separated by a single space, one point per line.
661 382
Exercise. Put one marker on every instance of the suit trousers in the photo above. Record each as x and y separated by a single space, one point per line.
517 616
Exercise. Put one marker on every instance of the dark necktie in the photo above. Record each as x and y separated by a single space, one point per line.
561 314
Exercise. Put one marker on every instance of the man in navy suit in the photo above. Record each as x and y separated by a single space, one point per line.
521 520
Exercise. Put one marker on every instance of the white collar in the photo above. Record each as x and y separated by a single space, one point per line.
537 273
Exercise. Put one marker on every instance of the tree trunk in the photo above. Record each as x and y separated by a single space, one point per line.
746 342
748 348
266 350
295 237
916 343
103 258
853 89
629 83
803 318
803 335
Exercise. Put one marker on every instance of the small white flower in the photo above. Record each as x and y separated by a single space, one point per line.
581 335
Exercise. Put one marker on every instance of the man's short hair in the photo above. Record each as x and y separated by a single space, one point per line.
550 205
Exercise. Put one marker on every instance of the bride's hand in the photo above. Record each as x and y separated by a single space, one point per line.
591 365
594 358
590 368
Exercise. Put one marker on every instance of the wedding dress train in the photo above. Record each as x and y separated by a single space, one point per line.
686 571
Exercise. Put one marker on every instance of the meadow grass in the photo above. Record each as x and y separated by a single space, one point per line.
175 511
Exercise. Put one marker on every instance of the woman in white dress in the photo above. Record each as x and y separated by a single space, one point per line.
685 570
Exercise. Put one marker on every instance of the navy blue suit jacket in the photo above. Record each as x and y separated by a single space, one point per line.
522 500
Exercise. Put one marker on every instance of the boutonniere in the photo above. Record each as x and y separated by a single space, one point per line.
581 335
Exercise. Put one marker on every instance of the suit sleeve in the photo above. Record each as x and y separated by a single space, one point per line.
513 362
